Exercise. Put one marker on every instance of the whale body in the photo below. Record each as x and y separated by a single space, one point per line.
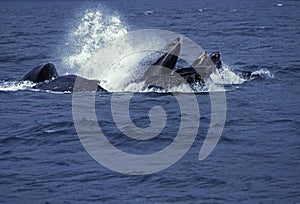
46 77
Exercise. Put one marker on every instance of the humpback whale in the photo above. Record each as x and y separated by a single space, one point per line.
164 73
161 74
46 77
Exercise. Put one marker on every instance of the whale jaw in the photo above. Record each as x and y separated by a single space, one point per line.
41 73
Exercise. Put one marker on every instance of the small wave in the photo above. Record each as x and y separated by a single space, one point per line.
149 12
58 127
203 9
262 73
15 140
58 92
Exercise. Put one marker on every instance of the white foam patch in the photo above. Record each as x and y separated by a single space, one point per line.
226 76
16 85
264 73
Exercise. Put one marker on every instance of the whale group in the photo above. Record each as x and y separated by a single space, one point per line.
163 73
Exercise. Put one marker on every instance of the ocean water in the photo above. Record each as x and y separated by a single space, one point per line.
256 159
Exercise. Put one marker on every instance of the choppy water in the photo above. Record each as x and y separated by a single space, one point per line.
257 157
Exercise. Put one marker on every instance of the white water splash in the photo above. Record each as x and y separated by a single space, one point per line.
95 30
101 53
16 85
122 62
226 76
264 73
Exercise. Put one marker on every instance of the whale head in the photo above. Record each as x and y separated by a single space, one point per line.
41 73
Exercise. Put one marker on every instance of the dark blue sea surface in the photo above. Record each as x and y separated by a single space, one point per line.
257 159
